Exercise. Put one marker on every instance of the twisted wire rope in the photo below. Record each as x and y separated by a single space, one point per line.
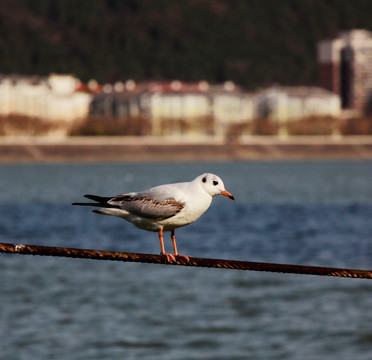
192 261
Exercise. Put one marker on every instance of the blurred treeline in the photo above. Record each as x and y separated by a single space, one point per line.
252 42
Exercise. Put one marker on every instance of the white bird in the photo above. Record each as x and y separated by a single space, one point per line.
164 207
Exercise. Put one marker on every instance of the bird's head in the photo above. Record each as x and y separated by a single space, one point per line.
213 185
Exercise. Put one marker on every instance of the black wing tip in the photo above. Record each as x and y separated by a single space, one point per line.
99 201
87 204
90 196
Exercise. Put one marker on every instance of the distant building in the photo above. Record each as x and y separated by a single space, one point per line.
177 107
166 108
52 99
117 104
199 109
284 103
345 68
229 105
117 100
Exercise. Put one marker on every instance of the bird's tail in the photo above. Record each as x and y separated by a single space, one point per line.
101 201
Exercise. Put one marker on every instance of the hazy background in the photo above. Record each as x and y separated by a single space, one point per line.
253 43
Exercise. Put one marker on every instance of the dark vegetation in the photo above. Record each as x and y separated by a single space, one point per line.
252 42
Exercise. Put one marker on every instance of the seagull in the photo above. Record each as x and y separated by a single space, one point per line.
164 207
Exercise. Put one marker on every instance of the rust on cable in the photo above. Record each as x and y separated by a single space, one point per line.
192 261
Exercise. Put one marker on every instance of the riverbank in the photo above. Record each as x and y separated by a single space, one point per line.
91 149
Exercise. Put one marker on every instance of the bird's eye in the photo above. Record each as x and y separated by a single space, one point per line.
215 182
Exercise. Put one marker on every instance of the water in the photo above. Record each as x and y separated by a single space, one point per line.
314 213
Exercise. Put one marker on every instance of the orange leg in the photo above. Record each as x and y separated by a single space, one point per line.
173 236
170 257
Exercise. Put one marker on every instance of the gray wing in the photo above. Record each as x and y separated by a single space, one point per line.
139 204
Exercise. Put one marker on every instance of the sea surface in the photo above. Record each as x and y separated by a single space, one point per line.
312 213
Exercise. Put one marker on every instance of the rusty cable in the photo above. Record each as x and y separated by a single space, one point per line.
192 261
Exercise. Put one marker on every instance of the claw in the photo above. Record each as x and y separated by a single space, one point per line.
170 258
185 257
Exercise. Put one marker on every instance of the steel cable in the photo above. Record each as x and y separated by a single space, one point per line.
192 261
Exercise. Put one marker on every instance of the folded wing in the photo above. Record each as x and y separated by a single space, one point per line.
147 207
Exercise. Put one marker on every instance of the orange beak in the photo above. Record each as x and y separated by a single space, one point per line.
226 193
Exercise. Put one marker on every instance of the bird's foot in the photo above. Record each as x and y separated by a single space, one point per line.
170 258
173 258
184 257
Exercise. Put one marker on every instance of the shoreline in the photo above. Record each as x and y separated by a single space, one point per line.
142 149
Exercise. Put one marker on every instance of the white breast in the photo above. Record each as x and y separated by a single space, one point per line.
197 203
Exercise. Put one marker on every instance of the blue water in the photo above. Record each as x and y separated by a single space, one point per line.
314 213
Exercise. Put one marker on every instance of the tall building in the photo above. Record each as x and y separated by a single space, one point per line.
345 68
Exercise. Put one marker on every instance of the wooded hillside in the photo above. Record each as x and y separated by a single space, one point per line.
252 42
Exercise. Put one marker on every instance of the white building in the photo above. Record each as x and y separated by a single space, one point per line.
52 99
175 102
285 103
345 68
192 109
199 102
229 107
